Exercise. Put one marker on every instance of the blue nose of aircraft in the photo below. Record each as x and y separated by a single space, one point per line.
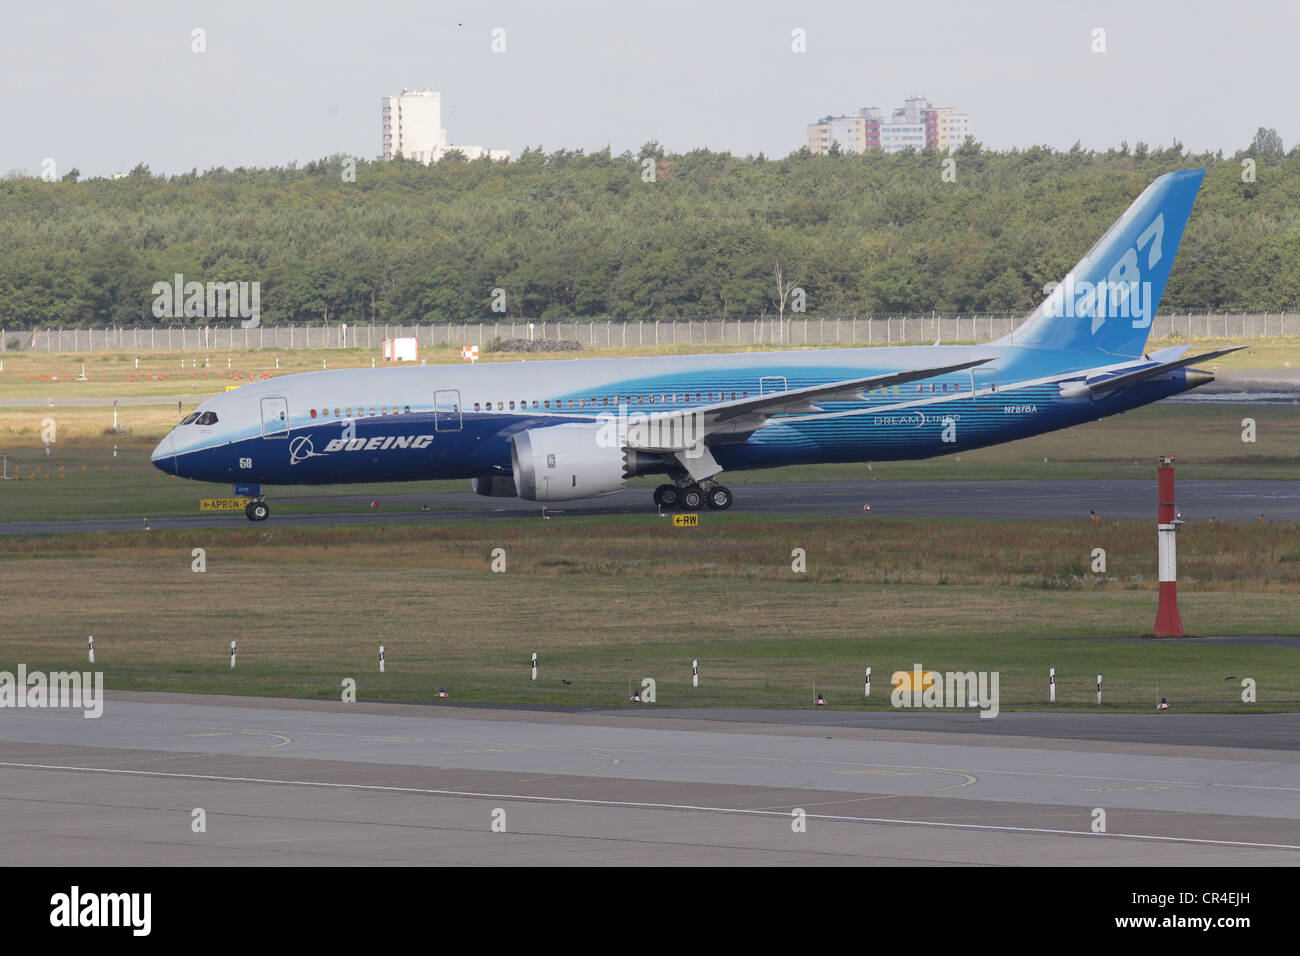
164 456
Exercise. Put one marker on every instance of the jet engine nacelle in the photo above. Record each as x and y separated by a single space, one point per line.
564 462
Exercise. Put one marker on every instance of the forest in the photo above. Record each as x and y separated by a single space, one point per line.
653 234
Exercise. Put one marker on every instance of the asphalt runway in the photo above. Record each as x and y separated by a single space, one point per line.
1198 500
318 783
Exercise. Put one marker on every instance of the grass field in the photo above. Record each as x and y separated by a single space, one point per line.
606 602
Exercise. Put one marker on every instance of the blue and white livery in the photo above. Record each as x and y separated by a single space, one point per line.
560 430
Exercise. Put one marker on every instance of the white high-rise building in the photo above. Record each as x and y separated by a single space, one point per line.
412 122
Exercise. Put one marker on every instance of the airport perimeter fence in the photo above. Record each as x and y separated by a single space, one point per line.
763 330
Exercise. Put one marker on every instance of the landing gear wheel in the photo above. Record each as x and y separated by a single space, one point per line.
256 511
692 498
719 497
666 497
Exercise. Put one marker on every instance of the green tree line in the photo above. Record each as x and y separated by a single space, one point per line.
572 234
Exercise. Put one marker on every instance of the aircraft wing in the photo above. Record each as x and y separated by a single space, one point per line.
801 401
1099 386
678 432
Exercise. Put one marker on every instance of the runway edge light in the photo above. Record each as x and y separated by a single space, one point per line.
1169 622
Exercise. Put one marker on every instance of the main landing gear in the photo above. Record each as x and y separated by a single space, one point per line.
690 496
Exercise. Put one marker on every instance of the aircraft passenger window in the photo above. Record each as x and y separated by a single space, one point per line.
372 409
932 386
501 406
476 405
733 396
313 413
570 403
406 409
546 404
582 403
512 406
652 399
190 418
336 413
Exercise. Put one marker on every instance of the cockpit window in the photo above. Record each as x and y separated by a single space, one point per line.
189 419
207 418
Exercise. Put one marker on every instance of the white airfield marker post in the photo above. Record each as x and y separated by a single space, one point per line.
232 653
92 648
1051 684
534 665
381 658
867 691
1098 690
695 673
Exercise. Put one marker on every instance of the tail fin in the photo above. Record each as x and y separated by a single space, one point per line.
1107 301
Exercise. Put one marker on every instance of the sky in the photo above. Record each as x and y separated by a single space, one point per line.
103 87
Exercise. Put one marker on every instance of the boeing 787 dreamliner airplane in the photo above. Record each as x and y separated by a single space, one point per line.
555 431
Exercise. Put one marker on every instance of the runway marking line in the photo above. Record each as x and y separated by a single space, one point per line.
636 805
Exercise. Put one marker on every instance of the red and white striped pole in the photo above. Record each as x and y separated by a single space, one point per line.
1168 621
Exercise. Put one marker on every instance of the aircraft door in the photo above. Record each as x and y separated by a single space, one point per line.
446 410
984 386
275 418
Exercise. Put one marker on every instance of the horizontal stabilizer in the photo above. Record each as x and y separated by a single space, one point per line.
1099 386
